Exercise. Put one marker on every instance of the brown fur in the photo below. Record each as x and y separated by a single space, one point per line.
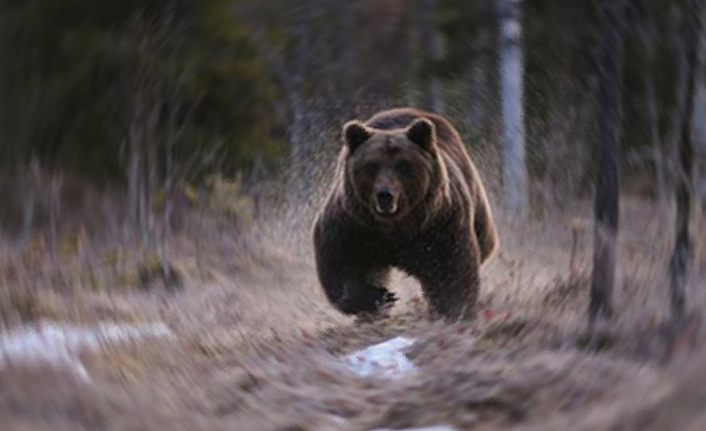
407 196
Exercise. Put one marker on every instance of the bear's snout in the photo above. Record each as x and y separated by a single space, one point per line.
385 202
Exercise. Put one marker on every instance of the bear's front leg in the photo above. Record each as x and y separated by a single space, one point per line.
365 295
354 291
450 279
349 278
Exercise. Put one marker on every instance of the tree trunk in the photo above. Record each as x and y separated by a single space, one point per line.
55 186
680 262
296 151
255 186
609 62
647 33
150 166
699 118
680 112
167 214
477 84
433 46
135 161
657 153
511 76
28 191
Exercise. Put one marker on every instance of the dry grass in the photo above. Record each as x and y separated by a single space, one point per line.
256 340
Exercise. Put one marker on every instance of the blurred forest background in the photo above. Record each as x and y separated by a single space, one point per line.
119 116
149 147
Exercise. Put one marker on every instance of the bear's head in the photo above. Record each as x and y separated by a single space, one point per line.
391 172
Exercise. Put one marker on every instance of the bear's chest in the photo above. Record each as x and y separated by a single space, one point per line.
402 250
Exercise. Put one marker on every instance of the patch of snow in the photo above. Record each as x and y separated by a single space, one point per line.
58 343
384 359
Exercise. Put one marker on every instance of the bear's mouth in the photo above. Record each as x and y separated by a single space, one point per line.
385 211
385 203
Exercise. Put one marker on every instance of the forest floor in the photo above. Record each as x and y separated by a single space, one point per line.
256 346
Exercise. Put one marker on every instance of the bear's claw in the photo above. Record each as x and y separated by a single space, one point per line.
387 300
382 308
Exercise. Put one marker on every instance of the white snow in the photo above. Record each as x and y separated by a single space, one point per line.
383 359
58 343
386 359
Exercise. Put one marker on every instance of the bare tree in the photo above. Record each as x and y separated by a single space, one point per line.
141 123
663 154
511 76
647 31
176 106
477 81
609 105
680 262
433 46
681 111
699 119
289 67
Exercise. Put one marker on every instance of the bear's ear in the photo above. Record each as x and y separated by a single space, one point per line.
354 134
423 133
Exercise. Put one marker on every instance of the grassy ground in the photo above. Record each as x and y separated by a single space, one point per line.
256 342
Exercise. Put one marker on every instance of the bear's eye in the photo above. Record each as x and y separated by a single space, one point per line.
405 169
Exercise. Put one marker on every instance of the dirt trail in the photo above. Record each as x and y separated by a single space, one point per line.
258 350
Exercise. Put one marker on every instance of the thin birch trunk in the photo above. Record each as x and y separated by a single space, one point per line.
511 76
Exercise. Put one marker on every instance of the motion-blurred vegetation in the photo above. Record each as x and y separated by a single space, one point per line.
160 160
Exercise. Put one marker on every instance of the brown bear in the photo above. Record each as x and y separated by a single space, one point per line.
406 195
